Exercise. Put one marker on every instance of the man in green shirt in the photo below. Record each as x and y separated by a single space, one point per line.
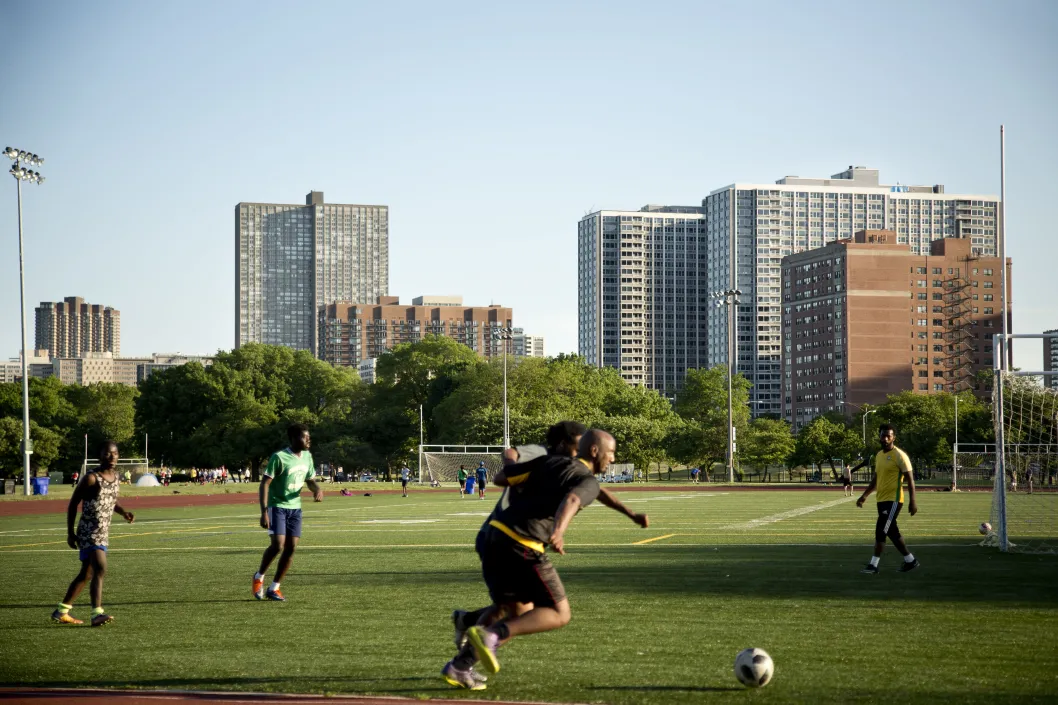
462 481
280 495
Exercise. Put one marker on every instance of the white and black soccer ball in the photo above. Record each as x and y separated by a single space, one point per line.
754 668
985 528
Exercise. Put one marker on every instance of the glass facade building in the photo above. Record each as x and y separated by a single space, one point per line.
641 293
291 259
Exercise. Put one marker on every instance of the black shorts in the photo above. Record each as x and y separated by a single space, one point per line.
886 526
515 573
403 483
846 481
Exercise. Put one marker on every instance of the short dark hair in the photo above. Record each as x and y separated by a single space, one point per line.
886 428
104 447
295 430
564 435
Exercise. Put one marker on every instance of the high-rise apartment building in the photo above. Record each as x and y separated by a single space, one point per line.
353 332
751 227
292 259
869 317
73 327
526 345
1050 359
642 295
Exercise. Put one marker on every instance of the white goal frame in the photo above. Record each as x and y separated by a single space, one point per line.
1001 352
453 449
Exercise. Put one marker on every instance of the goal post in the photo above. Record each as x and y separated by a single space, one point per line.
1025 481
440 463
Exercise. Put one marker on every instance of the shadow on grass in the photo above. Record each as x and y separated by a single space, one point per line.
303 684
667 688
969 574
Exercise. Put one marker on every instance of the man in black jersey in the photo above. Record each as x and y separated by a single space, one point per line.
539 501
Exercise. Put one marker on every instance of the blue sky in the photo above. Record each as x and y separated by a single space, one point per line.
489 129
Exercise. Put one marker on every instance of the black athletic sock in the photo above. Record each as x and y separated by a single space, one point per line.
472 618
465 659
500 629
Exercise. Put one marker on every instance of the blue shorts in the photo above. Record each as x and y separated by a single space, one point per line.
86 553
284 522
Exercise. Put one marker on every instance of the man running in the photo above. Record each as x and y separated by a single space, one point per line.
462 480
280 495
891 468
539 501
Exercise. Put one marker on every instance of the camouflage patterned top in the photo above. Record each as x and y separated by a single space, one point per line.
94 527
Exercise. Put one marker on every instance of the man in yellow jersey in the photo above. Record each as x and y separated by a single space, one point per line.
891 468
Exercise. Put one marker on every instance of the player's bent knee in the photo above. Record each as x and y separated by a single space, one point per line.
564 614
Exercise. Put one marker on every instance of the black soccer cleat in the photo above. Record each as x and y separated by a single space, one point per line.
908 567
870 569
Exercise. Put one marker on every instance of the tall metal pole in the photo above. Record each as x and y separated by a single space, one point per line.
420 443
27 447
730 407
146 454
1003 233
506 411
955 448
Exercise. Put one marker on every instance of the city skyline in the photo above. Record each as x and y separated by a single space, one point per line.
148 144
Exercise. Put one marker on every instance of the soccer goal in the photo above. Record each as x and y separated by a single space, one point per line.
440 463
1025 481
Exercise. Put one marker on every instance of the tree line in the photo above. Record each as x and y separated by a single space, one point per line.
234 413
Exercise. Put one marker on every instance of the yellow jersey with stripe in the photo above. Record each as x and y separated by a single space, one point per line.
526 510
889 469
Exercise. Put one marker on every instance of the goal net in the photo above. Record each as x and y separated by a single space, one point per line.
440 463
1025 480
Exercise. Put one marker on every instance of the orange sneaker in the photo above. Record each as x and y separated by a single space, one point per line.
64 618
275 595
258 588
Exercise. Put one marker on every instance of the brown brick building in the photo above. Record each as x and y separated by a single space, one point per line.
864 318
72 328
353 332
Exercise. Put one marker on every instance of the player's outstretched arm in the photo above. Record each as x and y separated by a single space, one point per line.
566 511
317 491
607 499
867 492
120 511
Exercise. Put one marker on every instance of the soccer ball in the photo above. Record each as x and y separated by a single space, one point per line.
985 527
754 668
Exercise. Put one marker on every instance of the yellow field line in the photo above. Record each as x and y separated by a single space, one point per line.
656 538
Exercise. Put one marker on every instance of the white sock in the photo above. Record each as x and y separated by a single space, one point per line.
258 576
275 586
874 561
909 558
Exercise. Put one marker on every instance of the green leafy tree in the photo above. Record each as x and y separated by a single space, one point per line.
45 447
702 404
823 440
769 442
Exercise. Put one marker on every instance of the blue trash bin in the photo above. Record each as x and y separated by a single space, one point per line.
40 485
470 485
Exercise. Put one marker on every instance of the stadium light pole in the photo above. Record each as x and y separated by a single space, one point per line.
729 298
20 157
505 334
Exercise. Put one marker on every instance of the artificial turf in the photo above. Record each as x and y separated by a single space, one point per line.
376 578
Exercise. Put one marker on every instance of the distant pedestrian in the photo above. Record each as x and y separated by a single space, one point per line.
482 474
462 480
405 474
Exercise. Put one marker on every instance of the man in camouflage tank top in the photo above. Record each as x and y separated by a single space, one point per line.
97 493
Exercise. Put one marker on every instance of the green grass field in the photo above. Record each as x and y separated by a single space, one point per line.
375 580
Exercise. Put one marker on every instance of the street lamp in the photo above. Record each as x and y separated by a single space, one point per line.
729 298
21 159
505 334
869 411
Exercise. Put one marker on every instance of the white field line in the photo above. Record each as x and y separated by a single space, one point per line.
781 516
303 547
